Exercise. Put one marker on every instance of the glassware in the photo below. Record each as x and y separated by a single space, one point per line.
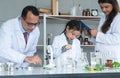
70 63
82 62
2 66
79 10
9 66
73 11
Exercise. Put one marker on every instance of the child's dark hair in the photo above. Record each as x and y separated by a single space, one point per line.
73 24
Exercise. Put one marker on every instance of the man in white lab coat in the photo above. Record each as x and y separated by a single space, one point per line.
13 46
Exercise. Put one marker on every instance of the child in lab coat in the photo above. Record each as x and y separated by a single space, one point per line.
66 45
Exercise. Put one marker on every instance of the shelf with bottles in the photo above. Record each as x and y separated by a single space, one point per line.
86 41
69 17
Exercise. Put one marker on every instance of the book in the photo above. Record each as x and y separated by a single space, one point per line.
44 10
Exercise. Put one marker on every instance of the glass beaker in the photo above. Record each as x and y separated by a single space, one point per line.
82 61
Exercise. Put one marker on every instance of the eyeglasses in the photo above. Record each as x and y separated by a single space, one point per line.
31 24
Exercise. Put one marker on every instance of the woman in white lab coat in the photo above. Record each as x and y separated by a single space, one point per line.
66 45
108 33
13 47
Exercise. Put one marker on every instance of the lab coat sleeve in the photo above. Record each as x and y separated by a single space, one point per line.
56 47
78 50
112 37
5 45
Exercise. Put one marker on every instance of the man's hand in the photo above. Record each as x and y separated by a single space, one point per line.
33 59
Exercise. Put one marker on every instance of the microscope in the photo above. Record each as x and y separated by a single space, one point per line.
49 53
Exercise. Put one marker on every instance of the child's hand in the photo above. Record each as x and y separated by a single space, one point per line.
68 47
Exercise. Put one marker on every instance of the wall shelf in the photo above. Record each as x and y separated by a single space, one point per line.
69 17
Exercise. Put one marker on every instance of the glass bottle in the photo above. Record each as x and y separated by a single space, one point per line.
73 11
81 39
79 10
109 63
87 12
97 57
84 12
86 42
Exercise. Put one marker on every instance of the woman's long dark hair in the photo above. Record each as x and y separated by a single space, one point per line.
111 16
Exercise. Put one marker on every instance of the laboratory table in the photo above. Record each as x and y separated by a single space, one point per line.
38 72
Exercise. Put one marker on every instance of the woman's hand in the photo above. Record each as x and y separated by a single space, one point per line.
94 32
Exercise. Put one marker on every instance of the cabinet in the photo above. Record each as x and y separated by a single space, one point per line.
65 18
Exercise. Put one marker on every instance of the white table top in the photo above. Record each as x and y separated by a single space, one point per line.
40 70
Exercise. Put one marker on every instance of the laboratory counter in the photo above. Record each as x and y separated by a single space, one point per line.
39 72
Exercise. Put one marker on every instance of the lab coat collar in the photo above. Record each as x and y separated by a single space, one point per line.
68 40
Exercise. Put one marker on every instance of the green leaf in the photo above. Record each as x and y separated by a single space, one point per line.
87 68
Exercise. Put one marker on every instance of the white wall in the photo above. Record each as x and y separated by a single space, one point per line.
13 8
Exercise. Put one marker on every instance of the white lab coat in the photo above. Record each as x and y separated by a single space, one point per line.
12 44
58 42
109 44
